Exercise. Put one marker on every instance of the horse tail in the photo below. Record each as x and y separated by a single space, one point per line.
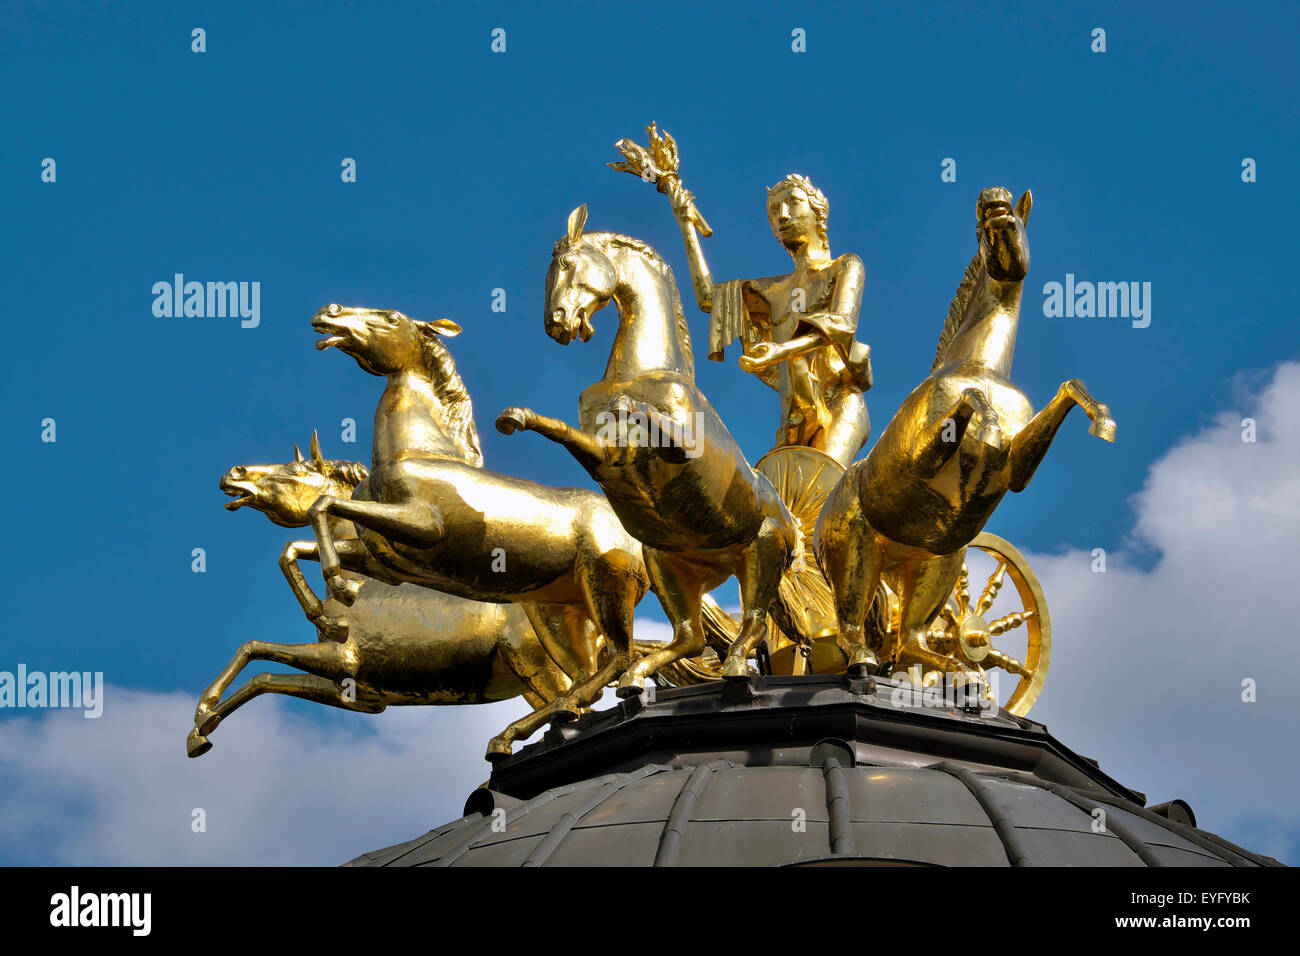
957 309
720 628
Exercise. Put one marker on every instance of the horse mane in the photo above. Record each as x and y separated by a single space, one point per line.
449 387
646 251
957 308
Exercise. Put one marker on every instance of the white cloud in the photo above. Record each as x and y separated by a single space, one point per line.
277 788
1148 663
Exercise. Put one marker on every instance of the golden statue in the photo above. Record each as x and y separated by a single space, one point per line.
797 330
672 472
431 515
398 645
449 583
959 442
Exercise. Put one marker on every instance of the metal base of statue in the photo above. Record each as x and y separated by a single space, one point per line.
815 771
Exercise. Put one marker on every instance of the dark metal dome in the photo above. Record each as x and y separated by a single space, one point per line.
813 770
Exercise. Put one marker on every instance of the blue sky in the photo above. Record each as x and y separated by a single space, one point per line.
225 166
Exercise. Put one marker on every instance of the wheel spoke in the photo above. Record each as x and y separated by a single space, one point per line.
1007 663
990 592
1009 622
962 591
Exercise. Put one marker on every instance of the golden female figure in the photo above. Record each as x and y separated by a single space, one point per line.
797 330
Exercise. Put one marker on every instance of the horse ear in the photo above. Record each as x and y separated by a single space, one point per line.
297 455
577 219
1024 204
316 456
444 327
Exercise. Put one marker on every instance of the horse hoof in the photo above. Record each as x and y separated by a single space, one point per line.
497 750
735 667
512 420
1103 428
332 628
196 745
564 711
344 590
863 663
988 435
207 725
629 688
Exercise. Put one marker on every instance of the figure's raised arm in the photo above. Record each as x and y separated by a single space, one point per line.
659 164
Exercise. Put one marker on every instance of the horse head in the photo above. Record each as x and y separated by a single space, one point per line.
386 342
1000 230
383 341
284 493
579 283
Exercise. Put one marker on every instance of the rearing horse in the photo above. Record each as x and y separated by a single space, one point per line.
430 514
701 512
963 439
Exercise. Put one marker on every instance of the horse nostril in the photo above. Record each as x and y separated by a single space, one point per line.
557 316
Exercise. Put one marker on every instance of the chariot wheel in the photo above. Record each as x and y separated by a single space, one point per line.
966 630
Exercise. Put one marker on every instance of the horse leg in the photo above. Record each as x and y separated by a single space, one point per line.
671 445
540 681
412 522
587 449
311 687
294 550
565 708
761 567
1031 444
610 590
971 416
923 586
849 552
324 659
679 587
571 640
523 656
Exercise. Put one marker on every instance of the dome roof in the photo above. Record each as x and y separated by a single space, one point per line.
800 771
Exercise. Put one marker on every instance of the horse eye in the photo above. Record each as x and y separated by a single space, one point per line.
568 262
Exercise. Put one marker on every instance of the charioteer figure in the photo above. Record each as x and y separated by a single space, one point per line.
797 331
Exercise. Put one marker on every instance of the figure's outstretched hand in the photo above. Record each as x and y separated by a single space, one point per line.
761 355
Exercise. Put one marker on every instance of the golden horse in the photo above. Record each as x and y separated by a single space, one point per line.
698 508
403 645
963 439
431 515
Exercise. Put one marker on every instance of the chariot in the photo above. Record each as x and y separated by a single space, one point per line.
964 632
